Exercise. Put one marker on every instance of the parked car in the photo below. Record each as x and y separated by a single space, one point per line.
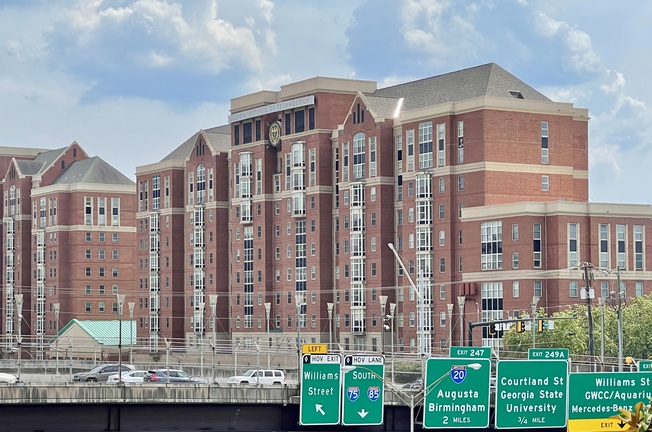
101 372
8 378
175 376
135 376
259 376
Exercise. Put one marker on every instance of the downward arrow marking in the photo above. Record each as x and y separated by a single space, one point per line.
363 413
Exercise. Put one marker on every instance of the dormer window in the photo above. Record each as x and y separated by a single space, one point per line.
516 94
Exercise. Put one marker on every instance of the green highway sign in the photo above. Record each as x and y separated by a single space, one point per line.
456 393
645 365
363 390
470 352
531 394
320 398
595 396
548 354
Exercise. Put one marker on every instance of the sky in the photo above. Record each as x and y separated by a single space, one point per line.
130 80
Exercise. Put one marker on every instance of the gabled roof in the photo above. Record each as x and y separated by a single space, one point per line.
486 80
105 332
382 106
219 138
40 162
93 170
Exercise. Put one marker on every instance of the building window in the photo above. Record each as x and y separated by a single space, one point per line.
516 289
621 233
425 145
442 211
572 245
409 138
604 245
460 142
544 143
638 247
572 288
358 156
442 184
538 291
441 146
639 289
460 183
515 260
515 232
536 236
545 183
442 265
442 238
442 292
491 240
492 309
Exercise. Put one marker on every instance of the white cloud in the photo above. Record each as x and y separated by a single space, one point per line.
616 85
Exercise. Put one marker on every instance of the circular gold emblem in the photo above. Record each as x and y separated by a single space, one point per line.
275 134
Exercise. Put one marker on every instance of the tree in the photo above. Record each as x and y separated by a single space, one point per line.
573 334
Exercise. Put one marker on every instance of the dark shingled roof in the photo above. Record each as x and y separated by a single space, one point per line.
219 138
485 80
41 162
93 170
382 106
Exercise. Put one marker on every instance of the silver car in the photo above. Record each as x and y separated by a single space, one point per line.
131 377
101 373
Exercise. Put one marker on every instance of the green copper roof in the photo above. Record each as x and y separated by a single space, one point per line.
105 332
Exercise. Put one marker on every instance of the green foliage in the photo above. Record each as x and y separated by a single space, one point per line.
573 334
639 420
406 371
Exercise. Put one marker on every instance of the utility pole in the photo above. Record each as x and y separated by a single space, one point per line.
589 296
620 321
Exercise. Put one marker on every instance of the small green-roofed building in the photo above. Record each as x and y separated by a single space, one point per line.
92 339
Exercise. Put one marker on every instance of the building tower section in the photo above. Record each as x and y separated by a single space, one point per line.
183 243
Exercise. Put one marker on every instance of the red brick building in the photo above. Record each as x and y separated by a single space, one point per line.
69 236
183 242
325 173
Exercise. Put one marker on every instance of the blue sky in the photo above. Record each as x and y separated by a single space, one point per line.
132 79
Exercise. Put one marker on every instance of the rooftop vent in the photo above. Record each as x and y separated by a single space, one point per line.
516 94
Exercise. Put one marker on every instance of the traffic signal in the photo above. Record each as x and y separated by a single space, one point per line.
491 329
519 327
540 325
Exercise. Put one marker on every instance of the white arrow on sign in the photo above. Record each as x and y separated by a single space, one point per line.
363 413
319 410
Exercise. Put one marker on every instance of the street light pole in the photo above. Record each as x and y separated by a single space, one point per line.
535 301
202 308
330 307
56 307
460 304
450 307
601 301
420 323
19 308
392 310
268 309
402 395
212 301
588 292
298 298
131 306
620 321
121 301
383 306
